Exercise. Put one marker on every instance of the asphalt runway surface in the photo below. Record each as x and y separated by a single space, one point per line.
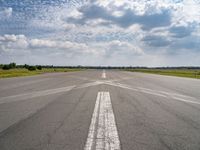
99 110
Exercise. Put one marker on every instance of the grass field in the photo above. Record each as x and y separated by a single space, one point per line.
171 72
25 72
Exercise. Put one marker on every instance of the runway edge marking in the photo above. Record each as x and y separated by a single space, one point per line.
102 132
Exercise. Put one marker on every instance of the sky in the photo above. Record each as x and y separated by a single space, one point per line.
100 32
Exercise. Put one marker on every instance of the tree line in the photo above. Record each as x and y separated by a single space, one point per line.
14 66
39 67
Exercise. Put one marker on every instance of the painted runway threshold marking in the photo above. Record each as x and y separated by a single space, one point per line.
103 74
103 133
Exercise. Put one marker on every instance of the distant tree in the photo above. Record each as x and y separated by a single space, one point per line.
12 65
39 67
31 68
9 66
6 67
26 66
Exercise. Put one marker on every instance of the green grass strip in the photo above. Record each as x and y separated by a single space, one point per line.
25 72
171 72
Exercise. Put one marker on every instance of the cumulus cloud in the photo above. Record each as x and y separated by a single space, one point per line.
37 43
66 45
104 32
11 42
125 19
187 12
122 48
14 42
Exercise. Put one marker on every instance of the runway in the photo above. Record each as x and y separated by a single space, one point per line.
99 110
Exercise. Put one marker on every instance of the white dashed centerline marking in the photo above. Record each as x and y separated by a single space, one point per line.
103 74
103 133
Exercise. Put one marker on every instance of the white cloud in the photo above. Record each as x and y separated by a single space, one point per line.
65 45
118 13
74 13
113 31
37 43
11 42
122 47
68 26
115 49
15 42
7 37
6 12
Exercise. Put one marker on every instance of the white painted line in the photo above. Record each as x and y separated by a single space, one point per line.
121 85
103 133
25 96
160 93
103 74
87 85
167 93
91 133
184 100
153 93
